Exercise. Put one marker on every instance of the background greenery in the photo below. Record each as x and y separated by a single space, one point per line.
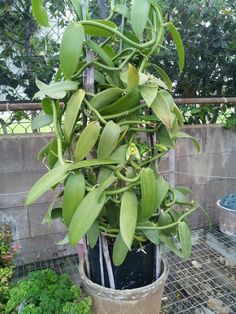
206 26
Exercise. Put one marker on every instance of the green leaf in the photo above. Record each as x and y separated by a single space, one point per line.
103 175
41 120
52 153
180 197
72 110
87 140
108 140
123 10
93 234
183 190
100 52
74 192
162 189
125 103
132 78
185 239
148 193
71 48
163 75
97 30
178 115
148 94
106 97
46 182
170 244
77 7
105 184
179 134
56 90
179 45
40 13
164 220
85 216
139 16
119 155
128 217
90 163
152 235
120 251
162 108
47 105
164 137
43 151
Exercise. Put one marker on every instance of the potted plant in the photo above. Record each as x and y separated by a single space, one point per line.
117 122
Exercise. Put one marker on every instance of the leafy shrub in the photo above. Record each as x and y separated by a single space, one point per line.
45 292
8 251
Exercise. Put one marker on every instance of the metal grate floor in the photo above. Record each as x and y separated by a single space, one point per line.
204 284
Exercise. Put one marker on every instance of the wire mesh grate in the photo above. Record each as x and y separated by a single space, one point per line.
208 276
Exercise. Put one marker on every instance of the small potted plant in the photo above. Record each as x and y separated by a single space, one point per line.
116 124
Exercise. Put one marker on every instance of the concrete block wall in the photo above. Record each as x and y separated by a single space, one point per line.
19 169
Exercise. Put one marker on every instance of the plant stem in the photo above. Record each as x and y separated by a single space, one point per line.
120 35
121 190
123 178
59 142
100 118
121 114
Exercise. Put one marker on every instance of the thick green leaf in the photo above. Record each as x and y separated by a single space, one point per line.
119 155
152 235
52 153
41 120
106 97
93 234
85 216
97 30
139 16
127 102
72 110
40 13
179 134
105 184
185 239
180 197
163 75
91 163
43 151
179 115
108 140
162 189
164 220
71 48
132 78
120 251
162 108
77 7
123 10
100 52
55 90
47 105
164 137
87 140
74 192
148 93
47 181
128 217
148 193
103 175
183 190
179 45
170 244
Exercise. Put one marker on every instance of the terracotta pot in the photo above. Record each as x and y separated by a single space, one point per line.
142 300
